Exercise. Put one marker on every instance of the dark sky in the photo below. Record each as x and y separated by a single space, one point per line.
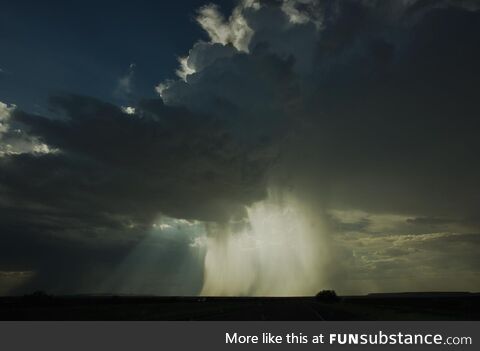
257 147
86 46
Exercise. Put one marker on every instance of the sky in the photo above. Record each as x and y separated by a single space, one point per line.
239 148
87 47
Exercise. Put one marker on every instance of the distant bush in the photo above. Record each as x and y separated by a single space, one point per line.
327 296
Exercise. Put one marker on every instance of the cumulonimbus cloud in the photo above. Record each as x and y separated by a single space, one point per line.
367 106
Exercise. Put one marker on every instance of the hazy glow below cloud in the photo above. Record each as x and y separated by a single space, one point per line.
278 252
10 280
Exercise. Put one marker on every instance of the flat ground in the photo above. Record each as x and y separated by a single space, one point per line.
370 307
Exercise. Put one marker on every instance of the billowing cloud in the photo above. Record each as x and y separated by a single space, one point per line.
234 30
13 141
367 99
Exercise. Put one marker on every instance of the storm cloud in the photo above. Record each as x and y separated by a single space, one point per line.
366 112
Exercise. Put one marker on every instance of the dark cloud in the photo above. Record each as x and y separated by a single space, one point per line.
399 135
113 176
159 160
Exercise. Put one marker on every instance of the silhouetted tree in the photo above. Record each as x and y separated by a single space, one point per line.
327 296
38 296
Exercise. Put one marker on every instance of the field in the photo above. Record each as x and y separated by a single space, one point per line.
424 306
